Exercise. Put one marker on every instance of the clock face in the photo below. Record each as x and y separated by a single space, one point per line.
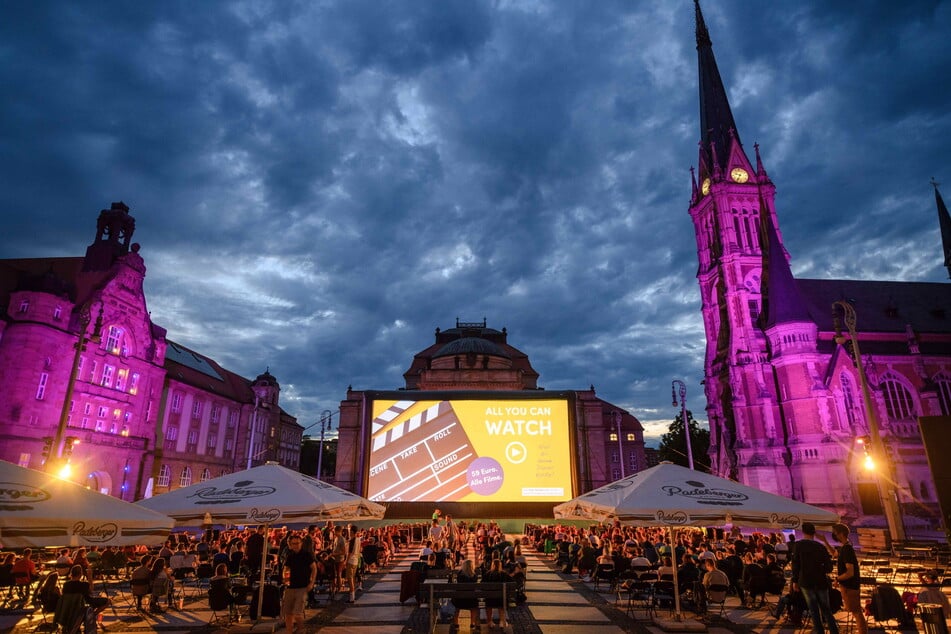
705 186
739 175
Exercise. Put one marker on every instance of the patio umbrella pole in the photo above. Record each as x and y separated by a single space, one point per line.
673 557
264 554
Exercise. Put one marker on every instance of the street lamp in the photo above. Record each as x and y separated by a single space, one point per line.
620 447
61 447
678 386
876 452
326 418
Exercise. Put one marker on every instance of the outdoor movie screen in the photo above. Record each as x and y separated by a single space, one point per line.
466 450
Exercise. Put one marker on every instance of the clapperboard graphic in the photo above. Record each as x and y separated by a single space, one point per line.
423 456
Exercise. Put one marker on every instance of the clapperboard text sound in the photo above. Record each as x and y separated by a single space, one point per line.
519 426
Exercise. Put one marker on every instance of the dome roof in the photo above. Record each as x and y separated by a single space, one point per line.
467 345
267 378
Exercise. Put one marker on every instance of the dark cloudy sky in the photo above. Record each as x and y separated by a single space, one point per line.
317 186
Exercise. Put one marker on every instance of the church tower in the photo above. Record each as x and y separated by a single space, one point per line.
761 366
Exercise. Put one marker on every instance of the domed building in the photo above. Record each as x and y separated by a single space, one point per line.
472 431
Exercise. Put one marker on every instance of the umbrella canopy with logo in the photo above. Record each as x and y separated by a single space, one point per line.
39 510
262 495
671 495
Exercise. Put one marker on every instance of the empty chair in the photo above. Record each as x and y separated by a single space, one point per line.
716 594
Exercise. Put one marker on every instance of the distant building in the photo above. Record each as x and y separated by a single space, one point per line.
785 404
143 408
652 456
473 358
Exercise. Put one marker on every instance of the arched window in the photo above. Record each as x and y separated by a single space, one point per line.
164 475
205 475
899 402
850 402
186 478
944 393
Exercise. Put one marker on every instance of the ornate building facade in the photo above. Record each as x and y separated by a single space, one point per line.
784 396
130 410
472 357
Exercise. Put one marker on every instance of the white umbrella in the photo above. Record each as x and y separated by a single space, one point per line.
670 495
39 510
263 495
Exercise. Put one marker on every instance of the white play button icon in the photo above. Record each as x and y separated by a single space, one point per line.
515 452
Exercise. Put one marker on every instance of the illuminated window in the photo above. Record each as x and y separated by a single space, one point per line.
108 372
898 400
205 475
113 339
134 383
613 437
92 372
24 305
116 414
41 386
100 425
24 460
57 313
112 428
171 433
177 402
125 430
120 378
631 437
79 368
164 475
186 478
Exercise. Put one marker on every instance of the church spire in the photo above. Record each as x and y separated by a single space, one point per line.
783 301
944 220
717 128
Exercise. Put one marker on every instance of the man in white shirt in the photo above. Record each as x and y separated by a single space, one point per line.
435 531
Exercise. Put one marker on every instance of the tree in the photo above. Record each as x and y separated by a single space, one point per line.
673 444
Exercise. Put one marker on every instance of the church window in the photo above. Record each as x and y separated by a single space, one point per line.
754 309
57 313
24 306
737 230
186 478
177 402
898 400
164 475
944 393
41 386
848 400
205 474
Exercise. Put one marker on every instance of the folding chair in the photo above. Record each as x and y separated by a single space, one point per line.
716 594
70 612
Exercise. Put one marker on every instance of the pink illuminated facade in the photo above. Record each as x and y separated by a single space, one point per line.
784 400
145 413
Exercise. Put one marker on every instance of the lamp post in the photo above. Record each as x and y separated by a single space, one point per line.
679 387
885 480
326 418
620 447
61 447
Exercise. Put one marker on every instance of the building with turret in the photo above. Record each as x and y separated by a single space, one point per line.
785 400
90 381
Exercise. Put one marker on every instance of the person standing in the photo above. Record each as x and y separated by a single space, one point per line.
810 565
339 555
353 564
847 575
302 571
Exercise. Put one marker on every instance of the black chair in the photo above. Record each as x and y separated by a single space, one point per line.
716 595
663 596
640 595
604 572
220 599
70 612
